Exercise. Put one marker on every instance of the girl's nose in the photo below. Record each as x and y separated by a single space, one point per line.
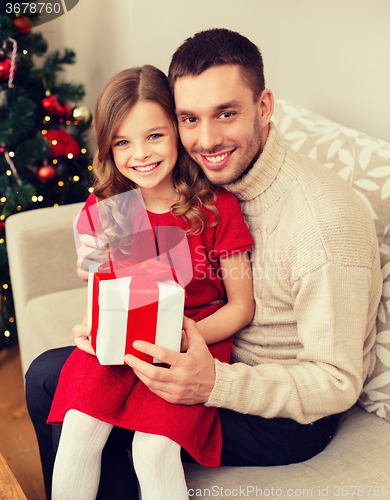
140 152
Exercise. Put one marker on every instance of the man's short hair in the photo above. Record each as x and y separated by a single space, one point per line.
216 47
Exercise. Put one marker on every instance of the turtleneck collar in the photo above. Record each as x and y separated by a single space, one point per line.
264 171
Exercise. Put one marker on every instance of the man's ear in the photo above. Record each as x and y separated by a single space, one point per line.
266 107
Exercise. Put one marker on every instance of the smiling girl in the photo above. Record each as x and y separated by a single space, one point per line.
138 147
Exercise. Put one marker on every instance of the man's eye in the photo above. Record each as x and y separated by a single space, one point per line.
226 114
190 119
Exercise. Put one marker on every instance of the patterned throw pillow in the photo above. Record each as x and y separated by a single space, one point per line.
363 162
375 397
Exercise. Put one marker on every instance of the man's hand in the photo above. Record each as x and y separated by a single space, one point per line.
190 378
92 251
80 335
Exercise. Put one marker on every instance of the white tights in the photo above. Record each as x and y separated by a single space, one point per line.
76 471
159 468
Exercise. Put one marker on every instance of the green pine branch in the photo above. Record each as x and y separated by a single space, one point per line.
35 42
16 118
70 91
6 30
17 196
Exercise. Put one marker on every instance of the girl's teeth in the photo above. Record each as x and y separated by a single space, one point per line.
217 159
146 169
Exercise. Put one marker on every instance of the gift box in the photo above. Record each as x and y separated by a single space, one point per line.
128 303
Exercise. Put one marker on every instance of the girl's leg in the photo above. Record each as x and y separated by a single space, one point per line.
77 465
159 468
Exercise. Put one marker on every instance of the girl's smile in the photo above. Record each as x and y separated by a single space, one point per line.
146 168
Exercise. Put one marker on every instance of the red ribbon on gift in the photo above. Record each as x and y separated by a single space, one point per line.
143 300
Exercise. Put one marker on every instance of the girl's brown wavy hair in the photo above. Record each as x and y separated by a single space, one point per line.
121 93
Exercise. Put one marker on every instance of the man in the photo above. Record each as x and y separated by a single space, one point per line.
317 281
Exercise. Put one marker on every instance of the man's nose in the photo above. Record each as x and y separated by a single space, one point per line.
209 136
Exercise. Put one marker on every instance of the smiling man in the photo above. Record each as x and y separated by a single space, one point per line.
317 280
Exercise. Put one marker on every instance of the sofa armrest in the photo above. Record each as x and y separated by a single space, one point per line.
41 252
42 260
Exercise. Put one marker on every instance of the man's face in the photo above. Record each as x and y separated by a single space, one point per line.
219 124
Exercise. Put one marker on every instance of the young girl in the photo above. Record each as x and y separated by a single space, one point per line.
137 140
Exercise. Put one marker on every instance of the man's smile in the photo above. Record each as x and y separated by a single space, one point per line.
218 160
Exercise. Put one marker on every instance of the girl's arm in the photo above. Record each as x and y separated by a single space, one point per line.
238 312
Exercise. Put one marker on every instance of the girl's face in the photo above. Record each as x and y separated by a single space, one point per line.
145 148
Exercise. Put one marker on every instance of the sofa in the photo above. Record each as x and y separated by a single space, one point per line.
50 299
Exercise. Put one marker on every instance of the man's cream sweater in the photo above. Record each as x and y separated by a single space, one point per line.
317 284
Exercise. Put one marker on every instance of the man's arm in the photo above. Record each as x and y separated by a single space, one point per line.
336 328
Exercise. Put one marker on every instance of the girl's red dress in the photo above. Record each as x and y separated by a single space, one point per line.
115 395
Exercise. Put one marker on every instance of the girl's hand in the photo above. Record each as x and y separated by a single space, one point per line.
80 335
184 342
91 251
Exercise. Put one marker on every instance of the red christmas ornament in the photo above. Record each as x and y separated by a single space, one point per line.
64 111
46 174
5 67
53 106
50 105
2 228
23 24
63 144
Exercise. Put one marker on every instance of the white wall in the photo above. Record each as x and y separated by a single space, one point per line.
332 56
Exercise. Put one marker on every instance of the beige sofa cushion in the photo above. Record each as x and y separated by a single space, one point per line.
51 318
375 396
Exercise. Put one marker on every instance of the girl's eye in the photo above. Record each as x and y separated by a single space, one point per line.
122 143
153 137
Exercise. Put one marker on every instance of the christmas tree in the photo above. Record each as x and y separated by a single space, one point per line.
44 158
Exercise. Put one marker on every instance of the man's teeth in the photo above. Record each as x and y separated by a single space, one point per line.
147 168
217 159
